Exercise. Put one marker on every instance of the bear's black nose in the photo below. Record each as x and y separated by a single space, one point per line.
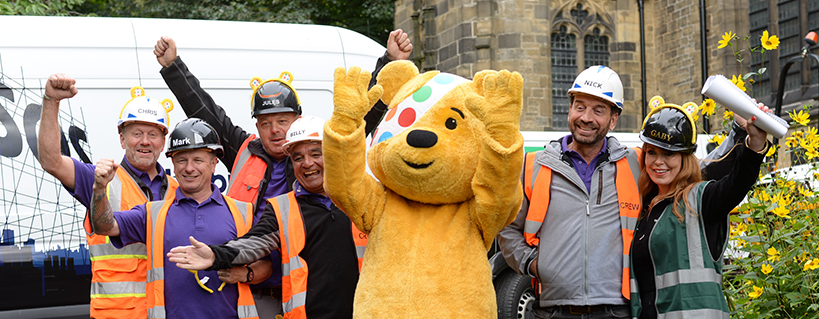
422 139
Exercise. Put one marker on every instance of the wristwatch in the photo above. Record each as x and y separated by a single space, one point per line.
249 273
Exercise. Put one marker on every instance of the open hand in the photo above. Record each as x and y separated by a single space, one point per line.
498 98
198 256
350 94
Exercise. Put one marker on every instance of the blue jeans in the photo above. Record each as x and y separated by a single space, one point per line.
608 312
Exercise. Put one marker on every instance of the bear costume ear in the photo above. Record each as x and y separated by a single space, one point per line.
656 101
394 75
690 108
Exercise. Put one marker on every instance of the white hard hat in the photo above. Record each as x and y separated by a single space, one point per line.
599 81
145 109
305 128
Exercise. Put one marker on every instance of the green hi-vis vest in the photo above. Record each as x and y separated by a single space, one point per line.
688 281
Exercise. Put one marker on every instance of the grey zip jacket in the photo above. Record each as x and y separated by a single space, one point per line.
580 254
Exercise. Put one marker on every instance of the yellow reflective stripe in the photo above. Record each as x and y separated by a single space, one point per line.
139 295
107 257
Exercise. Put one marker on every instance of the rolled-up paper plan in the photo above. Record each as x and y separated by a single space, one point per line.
722 91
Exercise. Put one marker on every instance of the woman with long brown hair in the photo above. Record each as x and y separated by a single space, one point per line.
676 254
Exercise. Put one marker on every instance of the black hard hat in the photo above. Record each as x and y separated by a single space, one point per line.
193 133
274 96
669 127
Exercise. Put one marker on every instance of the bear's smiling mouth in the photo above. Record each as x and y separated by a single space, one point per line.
418 166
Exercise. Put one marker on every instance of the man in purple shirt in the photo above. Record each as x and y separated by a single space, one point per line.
195 209
329 251
116 292
258 166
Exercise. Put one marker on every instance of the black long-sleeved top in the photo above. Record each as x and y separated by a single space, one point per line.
329 252
718 199
196 102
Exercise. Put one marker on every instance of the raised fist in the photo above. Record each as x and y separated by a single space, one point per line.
165 51
399 46
104 173
60 86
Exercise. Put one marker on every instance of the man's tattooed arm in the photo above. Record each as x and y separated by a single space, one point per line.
102 217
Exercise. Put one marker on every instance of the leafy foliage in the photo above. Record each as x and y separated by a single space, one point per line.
773 248
372 18
40 8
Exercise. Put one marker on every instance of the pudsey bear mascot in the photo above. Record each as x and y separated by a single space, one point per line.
447 184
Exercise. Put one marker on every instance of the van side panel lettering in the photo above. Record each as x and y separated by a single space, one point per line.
11 145
76 134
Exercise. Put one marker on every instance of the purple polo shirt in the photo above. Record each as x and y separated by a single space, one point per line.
277 184
154 184
84 182
209 222
300 191
583 169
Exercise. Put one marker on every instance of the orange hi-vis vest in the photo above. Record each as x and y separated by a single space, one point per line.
294 268
118 275
155 238
538 180
246 175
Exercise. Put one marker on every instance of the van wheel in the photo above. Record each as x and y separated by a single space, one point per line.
515 295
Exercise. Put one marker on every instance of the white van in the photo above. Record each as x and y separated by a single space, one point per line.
43 259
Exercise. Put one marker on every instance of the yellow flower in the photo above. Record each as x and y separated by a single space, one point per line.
802 117
763 195
719 138
756 293
804 191
782 212
728 115
708 107
783 199
811 264
801 257
793 140
769 43
741 243
741 227
811 153
726 39
738 82
766 269
773 255
771 151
